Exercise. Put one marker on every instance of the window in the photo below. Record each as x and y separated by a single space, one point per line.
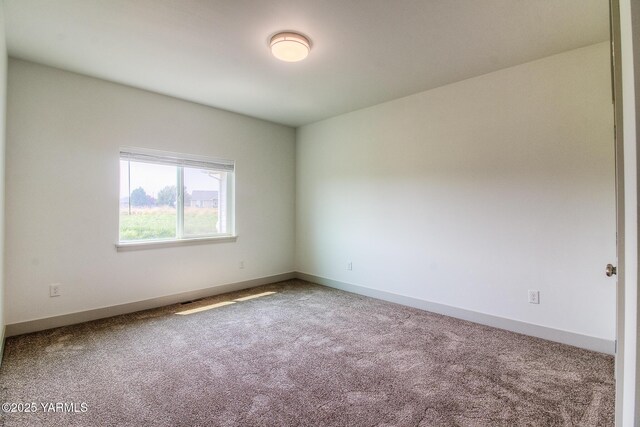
168 197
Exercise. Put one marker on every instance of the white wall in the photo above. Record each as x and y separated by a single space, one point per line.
64 134
470 194
3 99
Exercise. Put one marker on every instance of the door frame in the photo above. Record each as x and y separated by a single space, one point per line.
625 38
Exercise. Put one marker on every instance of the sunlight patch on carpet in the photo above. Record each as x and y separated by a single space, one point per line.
263 294
205 308
222 304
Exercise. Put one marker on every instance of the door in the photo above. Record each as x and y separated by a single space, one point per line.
617 273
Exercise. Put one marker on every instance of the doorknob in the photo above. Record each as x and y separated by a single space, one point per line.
611 270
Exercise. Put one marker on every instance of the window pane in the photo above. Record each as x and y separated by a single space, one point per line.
147 201
204 202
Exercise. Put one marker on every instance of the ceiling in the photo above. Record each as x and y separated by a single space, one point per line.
364 52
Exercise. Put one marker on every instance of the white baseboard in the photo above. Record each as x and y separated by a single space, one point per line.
100 313
600 345
565 337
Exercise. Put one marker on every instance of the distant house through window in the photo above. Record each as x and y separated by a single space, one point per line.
204 199
174 197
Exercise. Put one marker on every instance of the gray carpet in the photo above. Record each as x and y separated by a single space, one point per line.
304 355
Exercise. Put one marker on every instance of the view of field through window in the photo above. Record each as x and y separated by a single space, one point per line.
149 201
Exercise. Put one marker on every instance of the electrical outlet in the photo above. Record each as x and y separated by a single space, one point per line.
349 266
54 290
534 297
241 265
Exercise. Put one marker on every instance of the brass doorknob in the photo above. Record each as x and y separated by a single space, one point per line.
610 270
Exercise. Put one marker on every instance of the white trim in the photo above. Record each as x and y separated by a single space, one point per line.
557 335
157 244
628 396
180 203
103 312
565 337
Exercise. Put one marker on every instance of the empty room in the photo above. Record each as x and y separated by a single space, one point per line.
319 213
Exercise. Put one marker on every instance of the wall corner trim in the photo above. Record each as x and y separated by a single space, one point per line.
587 342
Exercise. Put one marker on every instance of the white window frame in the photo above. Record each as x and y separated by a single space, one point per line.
180 161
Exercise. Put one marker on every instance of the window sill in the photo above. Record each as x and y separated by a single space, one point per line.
157 244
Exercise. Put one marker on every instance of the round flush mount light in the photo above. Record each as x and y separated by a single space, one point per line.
290 47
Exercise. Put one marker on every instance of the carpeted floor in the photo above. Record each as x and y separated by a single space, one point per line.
304 355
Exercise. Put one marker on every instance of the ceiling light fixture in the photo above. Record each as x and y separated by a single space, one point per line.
290 47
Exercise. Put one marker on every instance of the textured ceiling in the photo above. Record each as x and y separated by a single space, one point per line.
364 52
